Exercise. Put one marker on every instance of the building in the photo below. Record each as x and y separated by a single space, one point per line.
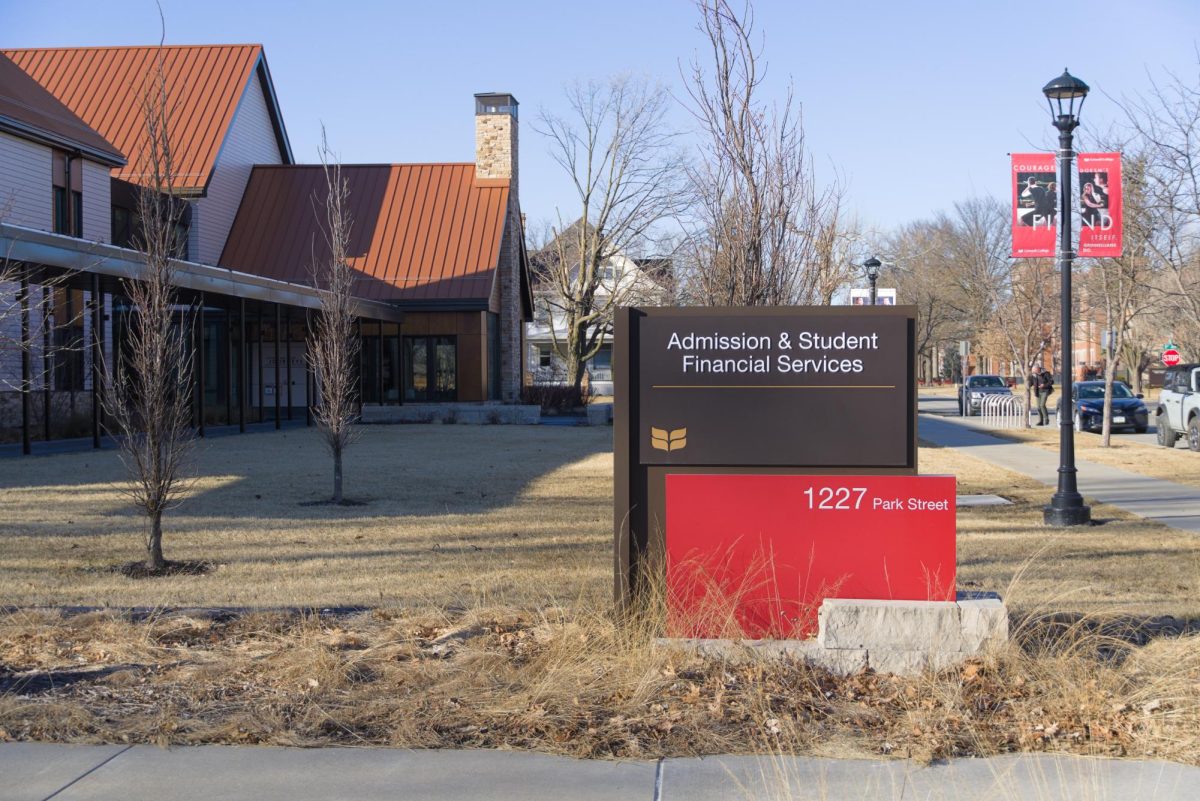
624 280
442 291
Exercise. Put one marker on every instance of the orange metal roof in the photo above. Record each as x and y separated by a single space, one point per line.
419 232
103 86
29 111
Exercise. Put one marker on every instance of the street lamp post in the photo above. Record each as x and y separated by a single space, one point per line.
1066 507
872 264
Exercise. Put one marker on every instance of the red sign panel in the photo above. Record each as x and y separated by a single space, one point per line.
1100 218
1170 357
754 555
1034 205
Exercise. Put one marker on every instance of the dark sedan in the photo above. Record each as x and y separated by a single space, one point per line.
1128 411
978 387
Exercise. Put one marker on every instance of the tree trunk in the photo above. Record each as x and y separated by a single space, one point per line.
1110 369
337 476
154 554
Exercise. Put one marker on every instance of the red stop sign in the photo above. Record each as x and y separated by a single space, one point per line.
1170 357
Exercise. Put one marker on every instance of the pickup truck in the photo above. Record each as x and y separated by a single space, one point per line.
1178 412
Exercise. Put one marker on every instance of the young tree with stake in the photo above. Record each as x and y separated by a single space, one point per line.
149 389
332 346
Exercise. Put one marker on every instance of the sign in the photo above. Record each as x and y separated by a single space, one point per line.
884 296
776 387
717 395
1034 205
1170 357
1100 206
861 536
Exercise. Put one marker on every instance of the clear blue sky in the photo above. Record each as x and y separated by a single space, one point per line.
916 102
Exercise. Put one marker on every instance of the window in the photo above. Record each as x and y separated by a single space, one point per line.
67 352
430 369
544 357
122 227
68 201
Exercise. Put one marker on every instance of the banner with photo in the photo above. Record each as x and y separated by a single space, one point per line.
1100 224
1034 206
884 296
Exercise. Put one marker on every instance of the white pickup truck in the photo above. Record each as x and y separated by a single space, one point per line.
1178 413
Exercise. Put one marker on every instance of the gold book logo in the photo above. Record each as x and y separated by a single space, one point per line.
663 440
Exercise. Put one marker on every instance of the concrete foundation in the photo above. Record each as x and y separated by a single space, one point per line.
465 413
900 637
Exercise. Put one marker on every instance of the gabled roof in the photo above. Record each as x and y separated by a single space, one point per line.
104 87
420 233
27 110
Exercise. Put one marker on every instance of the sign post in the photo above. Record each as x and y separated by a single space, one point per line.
769 456
1170 355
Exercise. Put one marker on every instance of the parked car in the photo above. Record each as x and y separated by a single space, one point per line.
1087 401
976 388
1178 412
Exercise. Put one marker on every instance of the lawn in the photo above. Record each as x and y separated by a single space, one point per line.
484 556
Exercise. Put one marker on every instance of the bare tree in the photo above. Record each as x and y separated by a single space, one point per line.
621 157
760 220
1121 288
148 393
1026 315
332 347
922 266
1165 124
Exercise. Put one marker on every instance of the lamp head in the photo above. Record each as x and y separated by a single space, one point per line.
1061 94
872 266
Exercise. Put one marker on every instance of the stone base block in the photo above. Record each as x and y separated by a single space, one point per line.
843 662
449 413
901 637
900 625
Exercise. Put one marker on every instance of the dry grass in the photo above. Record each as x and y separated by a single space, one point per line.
512 645
454 516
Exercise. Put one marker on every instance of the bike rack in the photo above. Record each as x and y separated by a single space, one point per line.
1003 411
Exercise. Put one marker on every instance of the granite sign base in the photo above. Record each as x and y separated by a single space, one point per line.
901 637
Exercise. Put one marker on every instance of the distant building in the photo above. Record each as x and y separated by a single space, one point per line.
442 292
641 281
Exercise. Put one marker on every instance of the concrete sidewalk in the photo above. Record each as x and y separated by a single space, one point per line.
1175 505
39 772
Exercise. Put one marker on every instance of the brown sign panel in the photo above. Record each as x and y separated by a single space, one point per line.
772 391
785 386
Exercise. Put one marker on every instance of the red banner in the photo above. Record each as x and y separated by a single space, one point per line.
1034 206
754 555
1100 223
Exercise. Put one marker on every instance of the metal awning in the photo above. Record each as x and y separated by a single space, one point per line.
79 255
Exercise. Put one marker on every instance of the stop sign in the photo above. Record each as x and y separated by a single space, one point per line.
1170 357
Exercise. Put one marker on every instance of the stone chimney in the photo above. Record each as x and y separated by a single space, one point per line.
496 159
496 137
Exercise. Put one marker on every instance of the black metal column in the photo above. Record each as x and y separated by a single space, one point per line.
200 358
1066 506
258 318
379 365
46 398
26 368
97 355
278 422
310 386
243 367
288 348
362 369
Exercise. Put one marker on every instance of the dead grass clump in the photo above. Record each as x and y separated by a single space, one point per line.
574 682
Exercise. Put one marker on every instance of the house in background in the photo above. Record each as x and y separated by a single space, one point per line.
634 281
442 293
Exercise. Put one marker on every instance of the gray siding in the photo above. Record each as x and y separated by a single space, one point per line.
251 140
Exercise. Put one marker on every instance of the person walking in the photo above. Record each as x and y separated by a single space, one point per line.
1043 384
